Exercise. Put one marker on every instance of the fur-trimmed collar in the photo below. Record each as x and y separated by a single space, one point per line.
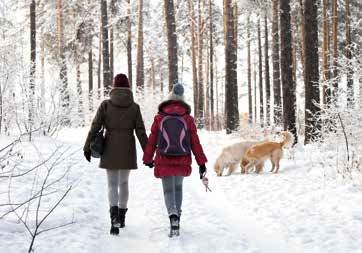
170 102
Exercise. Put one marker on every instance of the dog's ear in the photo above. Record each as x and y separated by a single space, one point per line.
244 163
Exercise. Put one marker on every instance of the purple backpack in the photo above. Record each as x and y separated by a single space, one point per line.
173 136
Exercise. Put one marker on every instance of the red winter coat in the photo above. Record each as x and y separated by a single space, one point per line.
173 165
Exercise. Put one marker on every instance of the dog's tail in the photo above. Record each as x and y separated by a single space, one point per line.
288 139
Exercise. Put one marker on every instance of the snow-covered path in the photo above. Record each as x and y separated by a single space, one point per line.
295 211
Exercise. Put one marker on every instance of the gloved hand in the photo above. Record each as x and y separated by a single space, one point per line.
87 155
150 165
202 170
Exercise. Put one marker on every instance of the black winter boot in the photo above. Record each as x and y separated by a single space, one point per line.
115 223
122 217
174 225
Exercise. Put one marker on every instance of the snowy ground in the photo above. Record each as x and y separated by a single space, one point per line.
301 209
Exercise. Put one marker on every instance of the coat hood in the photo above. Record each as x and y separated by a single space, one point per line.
174 106
122 97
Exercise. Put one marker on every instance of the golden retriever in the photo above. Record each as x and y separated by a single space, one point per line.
231 156
259 153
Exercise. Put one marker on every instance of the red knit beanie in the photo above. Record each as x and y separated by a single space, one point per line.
120 81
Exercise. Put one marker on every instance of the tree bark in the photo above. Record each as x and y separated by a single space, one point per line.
249 72
193 55
140 74
311 81
302 36
276 63
171 44
200 120
129 44
231 88
261 95
32 66
288 84
255 81
326 75
63 67
99 69
107 79
267 75
111 39
211 33
350 93
335 48
90 79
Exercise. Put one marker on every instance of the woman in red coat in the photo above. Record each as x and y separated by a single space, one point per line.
173 163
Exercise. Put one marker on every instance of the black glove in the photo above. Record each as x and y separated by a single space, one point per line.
87 155
202 170
151 164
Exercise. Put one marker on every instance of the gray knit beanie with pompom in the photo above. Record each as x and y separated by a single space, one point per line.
177 93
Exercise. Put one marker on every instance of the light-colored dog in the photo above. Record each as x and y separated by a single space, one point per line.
259 153
231 156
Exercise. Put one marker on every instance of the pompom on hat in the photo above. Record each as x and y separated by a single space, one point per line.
177 93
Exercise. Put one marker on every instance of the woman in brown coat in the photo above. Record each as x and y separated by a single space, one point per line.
120 116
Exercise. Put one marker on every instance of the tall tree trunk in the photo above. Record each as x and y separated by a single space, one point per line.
249 71
350 95
140 74
211 32
42 77
78 32
288 84
207 88
200 110
90 79
171 44
335 48
255 77
111 38
107 79
99 70
311 81
326 92
267 75
231 88
302 36
193 55
63 67
261 95
129 44
294 56
276 63
32 66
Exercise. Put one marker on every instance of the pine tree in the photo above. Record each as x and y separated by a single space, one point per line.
211 41
311 80
288 84
171 43
193 55
129 44
334 48
276 62
200 109
32 66
107 79
63 67
231 88
325 55
140 75
349 54
267 77
249 71
261 95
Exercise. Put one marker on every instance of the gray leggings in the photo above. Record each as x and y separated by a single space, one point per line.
118 187
172 191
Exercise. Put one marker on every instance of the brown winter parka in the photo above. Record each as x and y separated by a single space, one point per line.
121 117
